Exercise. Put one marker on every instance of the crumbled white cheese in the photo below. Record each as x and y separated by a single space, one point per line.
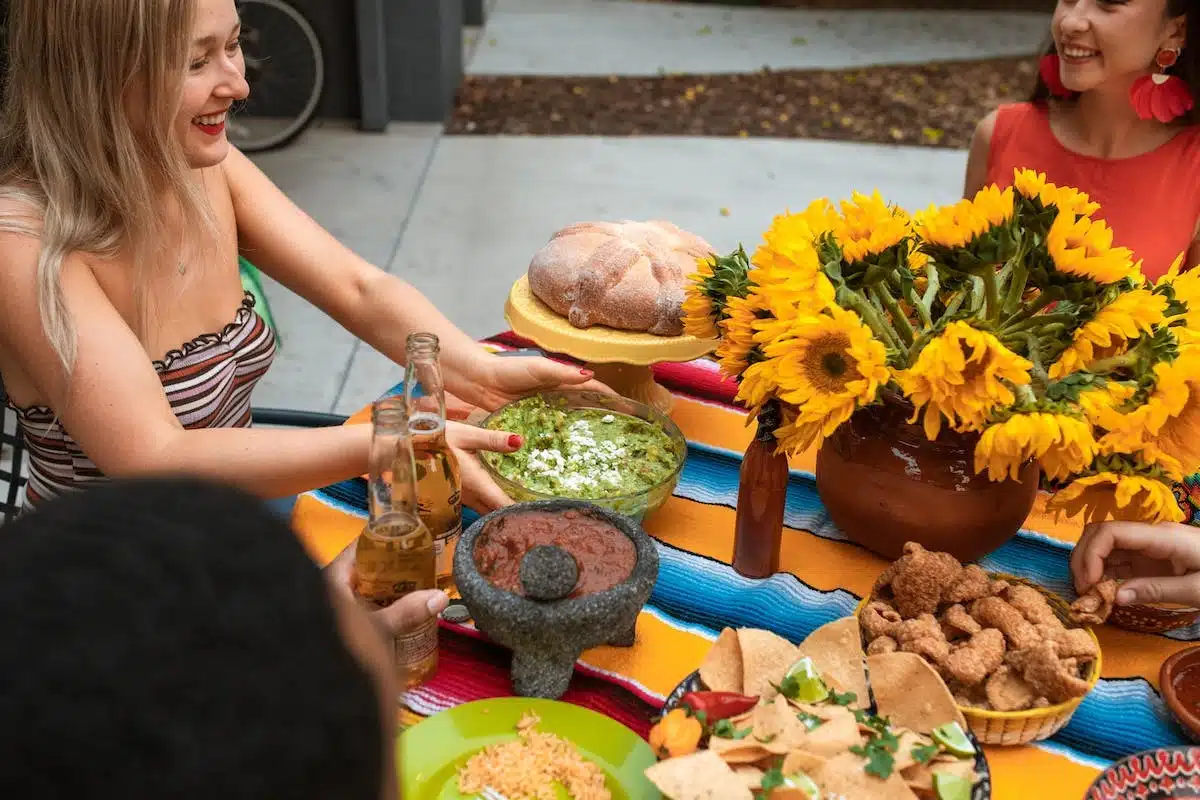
608 418
583 463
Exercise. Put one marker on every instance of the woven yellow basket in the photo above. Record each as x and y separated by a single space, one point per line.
1035 724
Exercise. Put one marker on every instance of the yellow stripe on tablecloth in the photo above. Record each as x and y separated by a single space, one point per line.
1029 773
662 656
324 530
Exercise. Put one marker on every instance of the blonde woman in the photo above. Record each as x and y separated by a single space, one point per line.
127 345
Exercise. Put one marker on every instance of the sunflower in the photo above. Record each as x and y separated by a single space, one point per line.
867 226
1168 422
1063 445
1102 400
737 336
826 366
963 374
792 230
1083 248
790 284
1185 287
757 385
994 205
699 314
1109 332
1115 495
1033 186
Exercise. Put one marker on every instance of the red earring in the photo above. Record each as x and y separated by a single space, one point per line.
1161 96
1048 69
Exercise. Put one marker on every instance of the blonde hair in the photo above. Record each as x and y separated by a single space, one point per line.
85 176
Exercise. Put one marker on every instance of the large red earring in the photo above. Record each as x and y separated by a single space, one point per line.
1161 96
1048 69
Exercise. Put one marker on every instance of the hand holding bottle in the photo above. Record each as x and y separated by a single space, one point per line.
405 615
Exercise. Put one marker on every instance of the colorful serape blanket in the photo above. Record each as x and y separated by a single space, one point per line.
823 577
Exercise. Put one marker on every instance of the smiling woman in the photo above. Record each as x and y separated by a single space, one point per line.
127 343
1113 116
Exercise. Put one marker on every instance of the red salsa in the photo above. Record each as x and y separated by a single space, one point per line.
603 553
1186 683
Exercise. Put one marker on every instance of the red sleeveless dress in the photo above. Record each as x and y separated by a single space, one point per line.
1151 201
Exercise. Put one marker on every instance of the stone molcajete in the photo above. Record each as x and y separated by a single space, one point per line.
530 594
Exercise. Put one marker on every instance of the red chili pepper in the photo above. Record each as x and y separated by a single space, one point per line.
718 705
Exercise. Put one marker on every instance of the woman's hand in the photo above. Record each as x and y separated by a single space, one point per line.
406 614
479 491
489 381
1157 563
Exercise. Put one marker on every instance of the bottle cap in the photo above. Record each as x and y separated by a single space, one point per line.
456 613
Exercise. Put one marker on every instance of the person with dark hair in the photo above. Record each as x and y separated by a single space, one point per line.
1112 115
171 638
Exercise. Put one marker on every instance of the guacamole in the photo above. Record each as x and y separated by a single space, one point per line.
582 453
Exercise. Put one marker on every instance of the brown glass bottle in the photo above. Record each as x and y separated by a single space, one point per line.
394 554
762 495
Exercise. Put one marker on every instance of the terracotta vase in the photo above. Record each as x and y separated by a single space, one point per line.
884 483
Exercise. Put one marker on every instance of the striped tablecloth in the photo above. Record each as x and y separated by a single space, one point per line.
824 576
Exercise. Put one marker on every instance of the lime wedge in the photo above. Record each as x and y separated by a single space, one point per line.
951 737
951 787
809 686
798 780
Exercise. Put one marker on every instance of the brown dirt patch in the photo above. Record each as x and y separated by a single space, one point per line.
927 104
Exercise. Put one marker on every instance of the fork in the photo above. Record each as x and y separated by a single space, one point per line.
491 794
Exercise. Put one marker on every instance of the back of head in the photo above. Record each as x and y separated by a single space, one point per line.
171 638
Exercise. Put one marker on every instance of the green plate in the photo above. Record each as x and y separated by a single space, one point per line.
432 751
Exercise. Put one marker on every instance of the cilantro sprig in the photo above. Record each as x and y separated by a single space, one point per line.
725 729
924 753
880 749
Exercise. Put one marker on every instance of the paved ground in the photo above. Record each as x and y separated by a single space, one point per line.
460 217
605 37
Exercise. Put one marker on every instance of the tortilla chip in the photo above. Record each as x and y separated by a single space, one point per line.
699 776
721 669
751 775
904 756
836 650
775 722
766 658
740 751
844 776
836 735
801 761
910 693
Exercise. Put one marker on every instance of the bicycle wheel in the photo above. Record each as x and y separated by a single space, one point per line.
285 67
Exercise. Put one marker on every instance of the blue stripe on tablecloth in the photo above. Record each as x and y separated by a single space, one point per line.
698 592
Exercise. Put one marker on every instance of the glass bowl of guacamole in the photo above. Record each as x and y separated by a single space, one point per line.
611 451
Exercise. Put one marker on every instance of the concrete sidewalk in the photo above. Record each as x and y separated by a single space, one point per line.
616 37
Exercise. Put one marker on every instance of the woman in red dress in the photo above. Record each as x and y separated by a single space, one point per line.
1112 116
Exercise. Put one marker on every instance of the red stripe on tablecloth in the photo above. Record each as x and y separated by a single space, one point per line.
684 378
472 668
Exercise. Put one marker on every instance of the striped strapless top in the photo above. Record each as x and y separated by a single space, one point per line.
208 382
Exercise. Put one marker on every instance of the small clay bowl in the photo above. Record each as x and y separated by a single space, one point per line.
1142 618
1179 669
548 636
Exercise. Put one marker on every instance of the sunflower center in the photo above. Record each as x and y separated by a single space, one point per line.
827 366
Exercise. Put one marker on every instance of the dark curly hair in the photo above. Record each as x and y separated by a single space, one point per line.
171 638
1187 67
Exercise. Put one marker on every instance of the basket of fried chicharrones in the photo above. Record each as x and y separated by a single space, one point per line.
1014 655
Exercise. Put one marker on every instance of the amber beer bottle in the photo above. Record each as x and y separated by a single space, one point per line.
762 495
394 553
439 485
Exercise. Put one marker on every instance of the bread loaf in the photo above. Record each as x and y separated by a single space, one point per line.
625 275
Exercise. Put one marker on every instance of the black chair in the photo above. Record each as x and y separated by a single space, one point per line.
12 478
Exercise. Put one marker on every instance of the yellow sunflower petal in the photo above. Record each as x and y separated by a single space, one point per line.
1130 315
1111 495
965 375
1083 248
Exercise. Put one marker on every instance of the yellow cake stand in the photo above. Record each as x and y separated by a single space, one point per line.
620 359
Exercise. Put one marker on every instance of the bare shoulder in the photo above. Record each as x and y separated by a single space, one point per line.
982 137
977 156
